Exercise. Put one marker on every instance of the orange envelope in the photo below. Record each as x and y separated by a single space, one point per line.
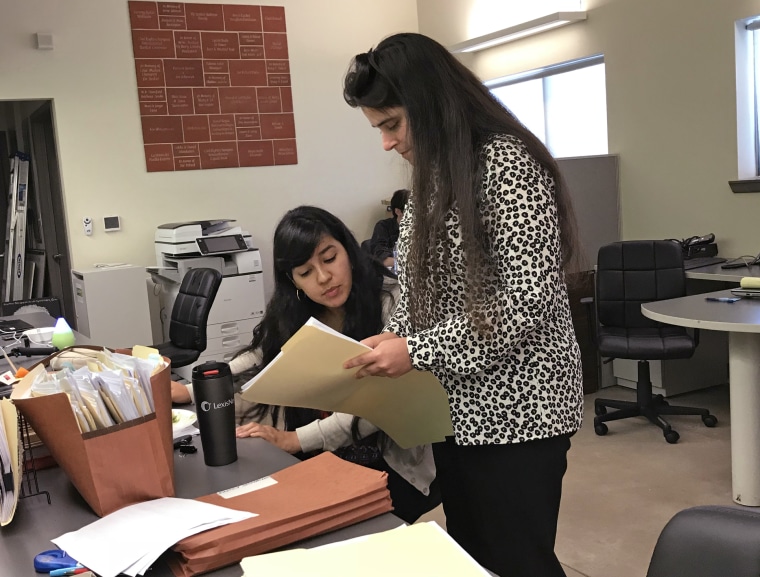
312 497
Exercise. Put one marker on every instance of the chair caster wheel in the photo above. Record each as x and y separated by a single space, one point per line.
672 437
601 429
709 420
600 410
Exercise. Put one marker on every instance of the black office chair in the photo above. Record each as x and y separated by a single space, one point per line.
187 328
628 274
366 246
709 541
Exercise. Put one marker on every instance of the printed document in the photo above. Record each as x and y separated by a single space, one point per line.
131 539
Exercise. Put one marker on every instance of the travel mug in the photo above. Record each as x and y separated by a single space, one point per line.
215 407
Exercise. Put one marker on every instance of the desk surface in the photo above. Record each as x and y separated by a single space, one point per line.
695 311
741 320
37 319
36 522
714 272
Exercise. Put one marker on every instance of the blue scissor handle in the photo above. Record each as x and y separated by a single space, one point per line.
46 561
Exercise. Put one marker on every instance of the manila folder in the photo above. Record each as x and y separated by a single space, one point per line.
412 409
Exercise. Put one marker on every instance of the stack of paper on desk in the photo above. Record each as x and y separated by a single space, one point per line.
422 549
10 461
312 497
131 539
112 388
412 409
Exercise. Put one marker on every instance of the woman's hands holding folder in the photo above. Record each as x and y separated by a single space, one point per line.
285 440
389 357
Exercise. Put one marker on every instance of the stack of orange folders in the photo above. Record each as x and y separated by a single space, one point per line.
312 497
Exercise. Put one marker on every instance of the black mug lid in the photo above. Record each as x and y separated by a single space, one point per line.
211 370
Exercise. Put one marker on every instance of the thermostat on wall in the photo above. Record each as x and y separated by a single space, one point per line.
111 223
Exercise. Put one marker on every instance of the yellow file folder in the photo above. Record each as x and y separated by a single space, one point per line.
412 409
421 549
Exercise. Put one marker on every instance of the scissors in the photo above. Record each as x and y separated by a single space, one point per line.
48 561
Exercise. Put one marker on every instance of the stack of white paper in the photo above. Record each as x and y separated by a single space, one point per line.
131 539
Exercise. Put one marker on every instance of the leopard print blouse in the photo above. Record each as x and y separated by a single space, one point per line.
523 381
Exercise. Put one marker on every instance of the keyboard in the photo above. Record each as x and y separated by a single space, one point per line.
701 261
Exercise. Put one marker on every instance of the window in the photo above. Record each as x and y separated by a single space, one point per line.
565 105
755 28
747 99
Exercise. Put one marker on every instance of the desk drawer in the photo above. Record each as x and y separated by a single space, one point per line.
243 327
229 343
221 356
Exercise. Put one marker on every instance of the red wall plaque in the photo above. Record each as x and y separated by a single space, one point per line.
213 84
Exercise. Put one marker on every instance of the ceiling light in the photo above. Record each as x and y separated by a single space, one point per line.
519 31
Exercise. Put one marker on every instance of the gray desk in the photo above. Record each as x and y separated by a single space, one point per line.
713 272
709 365
741 320
36 522
37 320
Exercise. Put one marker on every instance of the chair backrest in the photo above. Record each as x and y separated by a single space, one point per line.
633 272
709 541
187 329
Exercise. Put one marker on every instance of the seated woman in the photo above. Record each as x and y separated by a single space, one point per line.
320 272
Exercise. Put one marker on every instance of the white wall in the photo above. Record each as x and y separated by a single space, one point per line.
671 104
90 76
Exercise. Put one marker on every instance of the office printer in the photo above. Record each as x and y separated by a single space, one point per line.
239 303
199 238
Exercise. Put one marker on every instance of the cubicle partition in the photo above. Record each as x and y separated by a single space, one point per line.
593 185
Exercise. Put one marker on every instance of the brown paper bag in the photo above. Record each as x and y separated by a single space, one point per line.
111 468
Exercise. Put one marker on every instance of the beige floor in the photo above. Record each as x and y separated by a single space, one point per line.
620 490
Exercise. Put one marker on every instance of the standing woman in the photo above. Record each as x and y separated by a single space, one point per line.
486 237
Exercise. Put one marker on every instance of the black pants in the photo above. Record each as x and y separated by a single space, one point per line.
502 502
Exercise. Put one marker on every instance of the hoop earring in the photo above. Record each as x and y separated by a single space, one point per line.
298 295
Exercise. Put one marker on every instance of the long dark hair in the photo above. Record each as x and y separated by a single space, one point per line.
295 239
451 115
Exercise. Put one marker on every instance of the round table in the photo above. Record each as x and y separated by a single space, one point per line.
741 320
